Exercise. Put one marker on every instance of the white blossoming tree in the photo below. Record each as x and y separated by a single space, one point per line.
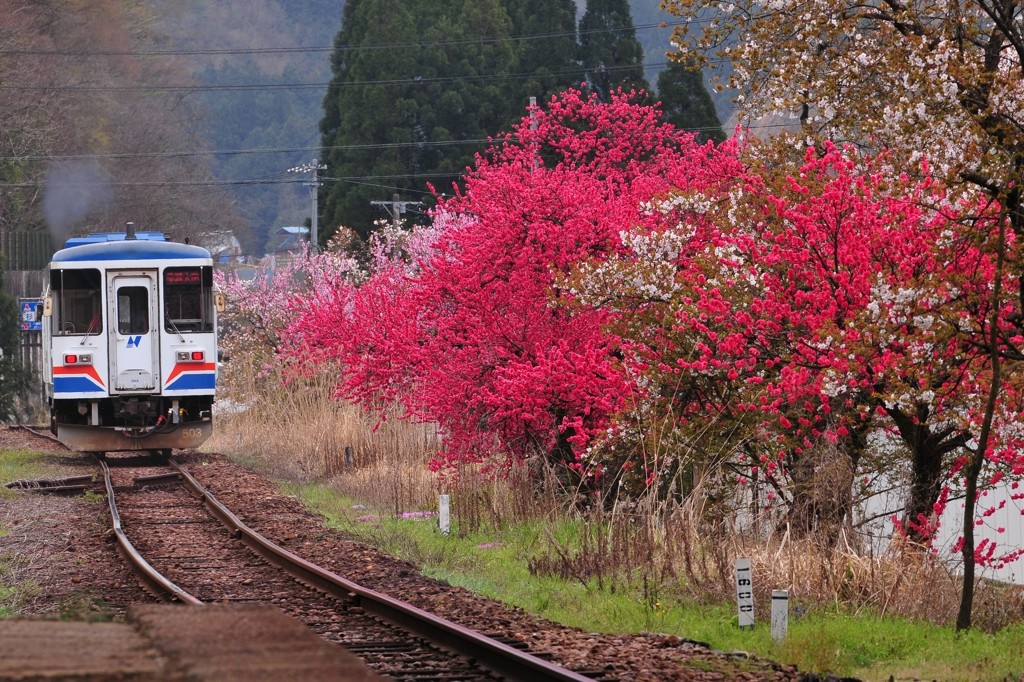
939 78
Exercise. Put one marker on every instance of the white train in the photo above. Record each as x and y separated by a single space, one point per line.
130 343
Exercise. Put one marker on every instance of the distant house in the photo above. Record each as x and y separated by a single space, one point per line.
291 239
223 246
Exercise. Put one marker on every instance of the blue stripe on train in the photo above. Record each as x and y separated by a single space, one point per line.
75 385
197 380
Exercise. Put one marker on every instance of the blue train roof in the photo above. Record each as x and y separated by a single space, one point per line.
139 249
101 237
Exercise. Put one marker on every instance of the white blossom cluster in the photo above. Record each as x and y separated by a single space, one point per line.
852 75
648 272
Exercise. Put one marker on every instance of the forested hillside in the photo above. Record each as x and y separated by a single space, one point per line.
252 77
233 43
84 144
418 88
233 38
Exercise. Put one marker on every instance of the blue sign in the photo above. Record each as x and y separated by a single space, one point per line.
28 316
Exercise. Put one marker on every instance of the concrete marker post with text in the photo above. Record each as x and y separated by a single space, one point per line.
744 593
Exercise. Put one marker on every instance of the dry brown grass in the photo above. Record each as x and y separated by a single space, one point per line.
301 432
679 548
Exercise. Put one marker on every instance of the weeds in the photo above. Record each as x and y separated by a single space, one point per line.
84 607
15 590
675 549
303 433
666 549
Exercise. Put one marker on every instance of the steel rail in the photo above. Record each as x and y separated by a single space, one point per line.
36 432
504 660
156 583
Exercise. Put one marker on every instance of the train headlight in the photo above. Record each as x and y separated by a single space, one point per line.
190 356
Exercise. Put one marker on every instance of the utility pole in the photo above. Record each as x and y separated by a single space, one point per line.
533 126
396 207
313 185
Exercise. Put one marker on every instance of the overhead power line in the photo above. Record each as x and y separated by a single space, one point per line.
228 183
418 80
481 40
282 150
229 152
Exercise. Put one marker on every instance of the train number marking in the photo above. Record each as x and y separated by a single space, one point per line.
192 433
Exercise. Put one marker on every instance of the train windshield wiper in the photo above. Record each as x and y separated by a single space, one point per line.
88 331
175 328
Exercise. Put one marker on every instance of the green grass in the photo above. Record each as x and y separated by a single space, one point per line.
16 464
13 596
862 644
6 596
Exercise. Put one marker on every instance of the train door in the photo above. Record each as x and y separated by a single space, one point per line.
134 344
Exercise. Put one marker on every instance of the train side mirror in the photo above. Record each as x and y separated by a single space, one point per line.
47 307
220 302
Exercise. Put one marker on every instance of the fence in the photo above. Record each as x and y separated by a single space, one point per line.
21 285
24 283
26 250
32 357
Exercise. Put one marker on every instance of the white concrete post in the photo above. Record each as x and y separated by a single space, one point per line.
744 593
444 520
780 614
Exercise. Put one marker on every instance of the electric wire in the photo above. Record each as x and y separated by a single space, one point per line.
233 152
481 40
231 183
284 150
332 85
273 179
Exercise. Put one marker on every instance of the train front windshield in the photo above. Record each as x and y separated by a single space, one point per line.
78 297
188 299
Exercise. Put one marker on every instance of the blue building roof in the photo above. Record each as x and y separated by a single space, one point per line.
291 229
138 249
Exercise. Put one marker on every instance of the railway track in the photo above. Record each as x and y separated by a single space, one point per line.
198 554
188 547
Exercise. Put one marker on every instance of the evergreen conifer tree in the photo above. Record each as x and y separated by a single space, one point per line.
552 62
686 102
609 50
464 106
12 373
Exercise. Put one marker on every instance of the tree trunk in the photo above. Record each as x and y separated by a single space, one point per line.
822 487
927 450
963 618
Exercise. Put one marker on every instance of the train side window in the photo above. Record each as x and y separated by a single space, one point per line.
77 302
188 300
133 310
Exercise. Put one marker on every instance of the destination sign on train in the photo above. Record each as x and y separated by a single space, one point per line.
182 276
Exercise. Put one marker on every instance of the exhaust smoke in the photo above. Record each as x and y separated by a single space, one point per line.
74 189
